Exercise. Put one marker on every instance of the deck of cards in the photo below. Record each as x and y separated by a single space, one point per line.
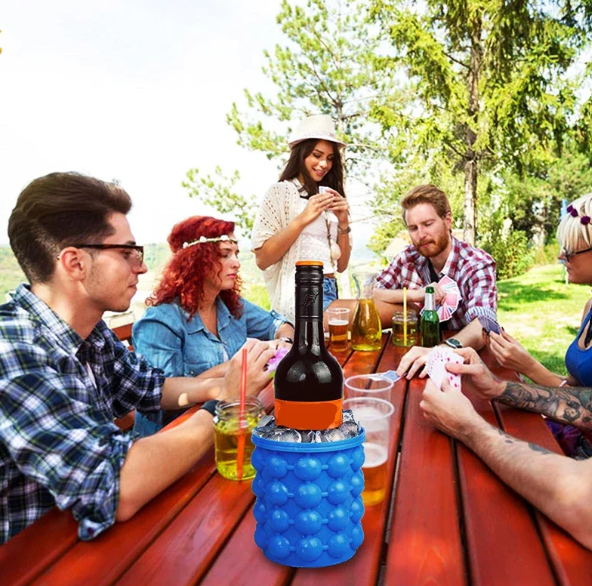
435 367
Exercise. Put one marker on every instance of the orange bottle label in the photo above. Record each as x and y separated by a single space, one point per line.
309 414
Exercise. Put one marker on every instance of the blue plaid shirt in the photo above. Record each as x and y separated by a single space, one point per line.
58 443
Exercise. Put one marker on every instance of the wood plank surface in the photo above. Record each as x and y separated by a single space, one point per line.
103 560
184 551
425 543
571 561
498 523
27 554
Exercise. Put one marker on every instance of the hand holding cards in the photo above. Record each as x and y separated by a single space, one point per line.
438 357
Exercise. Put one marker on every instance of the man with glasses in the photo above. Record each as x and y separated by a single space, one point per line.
64 376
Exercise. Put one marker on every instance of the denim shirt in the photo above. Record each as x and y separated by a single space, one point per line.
180 346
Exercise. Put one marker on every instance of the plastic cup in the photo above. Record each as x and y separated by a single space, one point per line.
338 320
368 385
374 415
402 321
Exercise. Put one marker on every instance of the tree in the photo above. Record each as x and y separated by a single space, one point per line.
488 79
327 66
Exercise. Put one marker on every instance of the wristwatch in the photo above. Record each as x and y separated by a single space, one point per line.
210 406
453 343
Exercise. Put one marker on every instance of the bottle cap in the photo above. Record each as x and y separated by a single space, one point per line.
429 289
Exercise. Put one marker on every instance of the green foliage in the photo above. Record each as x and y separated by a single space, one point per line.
156 255
510 250
487 83
220 192
327 66
10 272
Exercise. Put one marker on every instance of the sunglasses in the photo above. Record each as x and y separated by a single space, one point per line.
138 258
569 255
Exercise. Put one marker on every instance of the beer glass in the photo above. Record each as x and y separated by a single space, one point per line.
338 320
374 415
368 385
227 428
405 329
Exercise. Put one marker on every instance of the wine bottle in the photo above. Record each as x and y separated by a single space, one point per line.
309 381
430 322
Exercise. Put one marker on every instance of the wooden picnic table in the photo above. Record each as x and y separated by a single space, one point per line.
447 521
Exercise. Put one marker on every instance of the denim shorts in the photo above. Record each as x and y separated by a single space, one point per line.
330 291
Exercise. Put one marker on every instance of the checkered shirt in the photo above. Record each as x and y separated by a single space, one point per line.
472 269
58 442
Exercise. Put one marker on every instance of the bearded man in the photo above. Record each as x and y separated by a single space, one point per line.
433 254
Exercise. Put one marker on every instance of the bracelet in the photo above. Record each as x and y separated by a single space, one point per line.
210 406
563 383
286 339
344 230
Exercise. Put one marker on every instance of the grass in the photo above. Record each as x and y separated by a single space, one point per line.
542 312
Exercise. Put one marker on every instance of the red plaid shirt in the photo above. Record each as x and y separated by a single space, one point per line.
472 269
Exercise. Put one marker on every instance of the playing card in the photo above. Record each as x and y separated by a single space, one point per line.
390 374
489 325
436 369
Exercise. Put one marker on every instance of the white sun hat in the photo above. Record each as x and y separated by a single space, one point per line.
320 126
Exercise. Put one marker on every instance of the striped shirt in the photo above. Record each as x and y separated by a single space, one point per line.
472 269
59 395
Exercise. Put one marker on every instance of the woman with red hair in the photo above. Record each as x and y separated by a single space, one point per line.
196 319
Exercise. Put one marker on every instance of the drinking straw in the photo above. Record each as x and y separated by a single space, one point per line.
404 316
240 449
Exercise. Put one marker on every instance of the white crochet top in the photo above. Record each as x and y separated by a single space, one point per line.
281 204
315 240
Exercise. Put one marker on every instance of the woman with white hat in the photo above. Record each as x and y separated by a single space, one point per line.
305 216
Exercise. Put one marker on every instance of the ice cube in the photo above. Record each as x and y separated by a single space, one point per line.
333 435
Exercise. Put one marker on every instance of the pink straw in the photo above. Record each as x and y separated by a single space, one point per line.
240 450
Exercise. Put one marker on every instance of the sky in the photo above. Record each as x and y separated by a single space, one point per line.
132 90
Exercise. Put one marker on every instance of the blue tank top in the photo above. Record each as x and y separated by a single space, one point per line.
578 361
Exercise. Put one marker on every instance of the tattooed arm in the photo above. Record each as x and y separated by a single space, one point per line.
559 486
570 405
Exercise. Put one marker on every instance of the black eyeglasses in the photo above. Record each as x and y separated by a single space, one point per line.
568 255
138 258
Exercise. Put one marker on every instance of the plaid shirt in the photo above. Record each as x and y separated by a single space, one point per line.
58 442
472 269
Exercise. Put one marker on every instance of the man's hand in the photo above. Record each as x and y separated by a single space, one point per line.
415 359
258 355
486 385
447 409
509 352
439 294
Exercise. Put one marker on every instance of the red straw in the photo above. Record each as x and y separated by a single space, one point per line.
240 450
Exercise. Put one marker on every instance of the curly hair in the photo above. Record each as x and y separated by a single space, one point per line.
184 276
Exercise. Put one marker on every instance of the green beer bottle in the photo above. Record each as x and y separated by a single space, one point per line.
430 322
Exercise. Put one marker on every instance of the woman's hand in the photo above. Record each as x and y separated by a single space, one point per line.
340 207
316 205
510 353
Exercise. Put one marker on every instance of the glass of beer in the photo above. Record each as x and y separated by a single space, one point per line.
228 427
405 328
368 385
374 415
338 320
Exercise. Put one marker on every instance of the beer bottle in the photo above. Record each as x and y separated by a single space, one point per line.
429 324
309 381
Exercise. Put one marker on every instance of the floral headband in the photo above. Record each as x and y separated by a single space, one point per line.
585 220
203 240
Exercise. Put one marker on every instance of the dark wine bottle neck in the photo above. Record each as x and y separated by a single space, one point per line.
308 334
